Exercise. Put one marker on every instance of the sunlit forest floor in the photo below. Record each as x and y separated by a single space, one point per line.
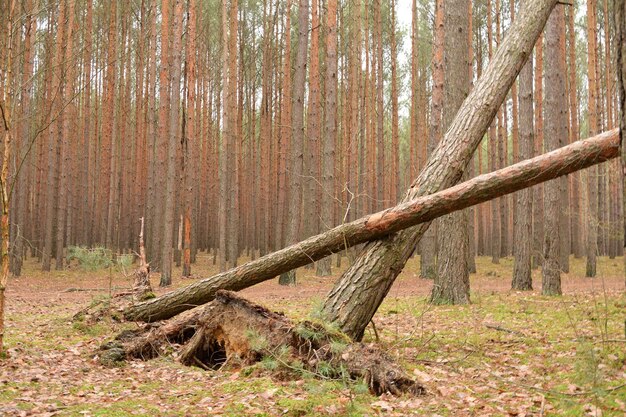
508 353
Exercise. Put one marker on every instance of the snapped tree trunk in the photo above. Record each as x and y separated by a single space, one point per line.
525 174
356 296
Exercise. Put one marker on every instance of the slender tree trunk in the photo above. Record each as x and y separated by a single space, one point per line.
375 226
190 139
395 145
297 135
7 138
172 145
330 129
64 140
428 246
522 250
564 126
312 158
30 29
493 157
538 191
619 14
592 121
576 226
554 113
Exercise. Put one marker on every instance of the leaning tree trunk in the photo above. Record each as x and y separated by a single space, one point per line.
525 174
357 295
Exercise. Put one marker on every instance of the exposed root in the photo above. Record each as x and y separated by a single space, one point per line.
232 332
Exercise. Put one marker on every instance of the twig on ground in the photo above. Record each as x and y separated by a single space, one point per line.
502 329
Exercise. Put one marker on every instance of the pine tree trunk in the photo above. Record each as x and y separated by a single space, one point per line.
7 138
538 191
619 14
592 174
297 136
576 224
522 250
375 226
172 146
330 130
554 112
428 246
451 284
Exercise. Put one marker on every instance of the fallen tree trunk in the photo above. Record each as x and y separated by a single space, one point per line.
233 332
485 187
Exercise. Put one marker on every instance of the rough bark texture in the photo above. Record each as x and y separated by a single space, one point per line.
235 331
451 284
554 107
330 130
522 250
619 10
428 245
591 248
172 144
357 295
7 136
423 209
297 136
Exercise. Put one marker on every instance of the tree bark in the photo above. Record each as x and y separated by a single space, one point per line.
297 136
452 284
428 245
592 174
380 263
7 138
522 250
330 131
619 10
375 226
172 145
554 108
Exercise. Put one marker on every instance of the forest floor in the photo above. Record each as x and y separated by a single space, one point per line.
508 353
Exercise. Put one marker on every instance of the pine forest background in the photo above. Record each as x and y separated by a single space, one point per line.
238 127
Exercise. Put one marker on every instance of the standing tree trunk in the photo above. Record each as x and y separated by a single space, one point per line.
297 136
538 191
5 114
619 10
190 139
64 140
554 113
592 121
172 145
522 250
576 212
357 295
330 130
451 284
493 158
311 193
428 246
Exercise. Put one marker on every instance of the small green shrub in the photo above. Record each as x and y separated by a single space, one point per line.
93 259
